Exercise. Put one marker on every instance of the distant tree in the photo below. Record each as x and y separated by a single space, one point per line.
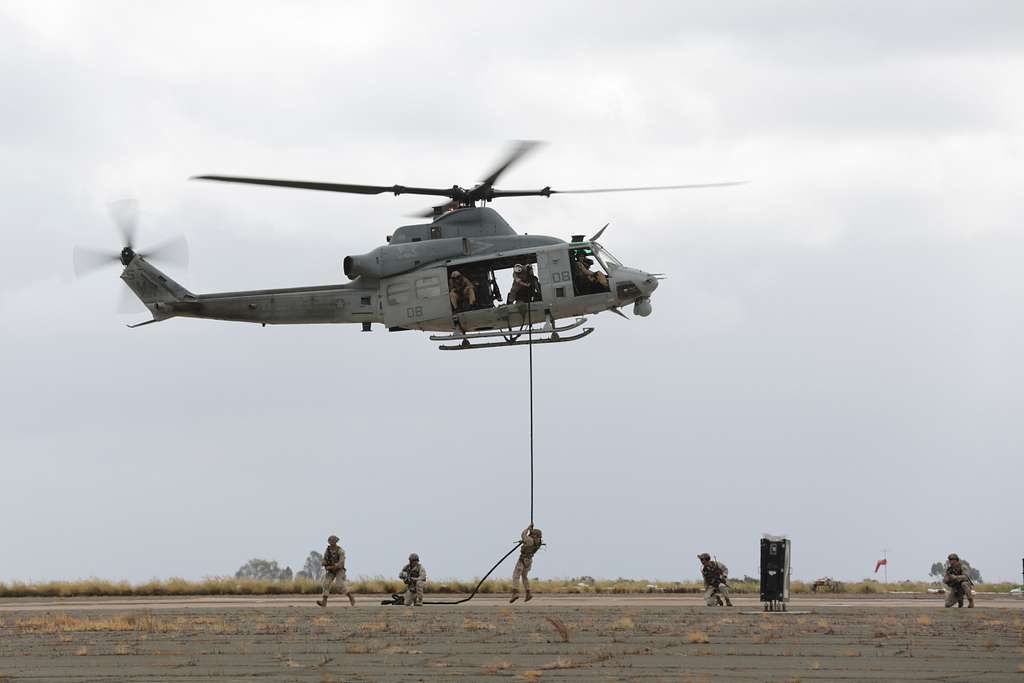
314 568
266 570
939 569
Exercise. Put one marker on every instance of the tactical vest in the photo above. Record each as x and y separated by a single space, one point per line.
952 571
414 571
713 573
333 556
529 551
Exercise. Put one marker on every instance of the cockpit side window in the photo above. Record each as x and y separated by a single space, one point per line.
588 276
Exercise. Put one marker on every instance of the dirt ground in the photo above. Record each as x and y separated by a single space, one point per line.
583 638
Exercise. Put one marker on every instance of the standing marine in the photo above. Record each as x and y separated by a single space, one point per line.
415 577
959 583
524 284
716 581
531 543
334 571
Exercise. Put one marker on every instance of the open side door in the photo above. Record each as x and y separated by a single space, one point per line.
411 299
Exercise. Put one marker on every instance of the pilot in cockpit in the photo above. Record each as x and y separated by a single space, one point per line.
593 281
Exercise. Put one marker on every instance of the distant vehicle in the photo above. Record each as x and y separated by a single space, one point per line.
827 584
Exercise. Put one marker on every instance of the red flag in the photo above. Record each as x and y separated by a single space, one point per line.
880 563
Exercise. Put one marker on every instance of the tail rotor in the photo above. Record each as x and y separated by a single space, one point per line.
125 215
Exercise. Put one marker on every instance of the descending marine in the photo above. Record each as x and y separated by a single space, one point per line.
531 543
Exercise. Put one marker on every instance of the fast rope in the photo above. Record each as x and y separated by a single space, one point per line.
529 344
398 598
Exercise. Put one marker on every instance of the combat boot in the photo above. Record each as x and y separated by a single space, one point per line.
322 602
970 602
529 596
515 595
352 599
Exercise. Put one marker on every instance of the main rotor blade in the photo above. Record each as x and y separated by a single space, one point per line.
172 252
126 216
547 191
332 187
642 189
87 260
521 149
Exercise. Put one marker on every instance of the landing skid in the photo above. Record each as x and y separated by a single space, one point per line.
518 340
504 333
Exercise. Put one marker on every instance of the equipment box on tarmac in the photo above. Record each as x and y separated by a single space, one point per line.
775 553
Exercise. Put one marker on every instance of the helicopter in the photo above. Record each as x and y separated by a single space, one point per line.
441 276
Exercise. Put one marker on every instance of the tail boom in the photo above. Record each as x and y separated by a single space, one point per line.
165 298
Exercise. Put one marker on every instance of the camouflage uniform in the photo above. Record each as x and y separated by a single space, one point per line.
959 583
523 285
716 576
415 577
461 291
592 282
334 556
531 539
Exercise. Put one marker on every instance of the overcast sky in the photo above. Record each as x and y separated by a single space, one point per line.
835 355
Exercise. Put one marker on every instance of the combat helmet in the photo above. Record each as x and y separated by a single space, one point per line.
413 557
333 539
953 556
704 556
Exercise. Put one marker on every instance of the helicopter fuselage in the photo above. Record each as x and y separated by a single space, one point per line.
405 284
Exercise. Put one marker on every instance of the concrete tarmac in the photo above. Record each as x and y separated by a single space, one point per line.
553 638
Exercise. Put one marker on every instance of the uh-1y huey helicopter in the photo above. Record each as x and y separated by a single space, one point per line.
438 276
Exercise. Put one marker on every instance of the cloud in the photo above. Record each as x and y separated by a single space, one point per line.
844 328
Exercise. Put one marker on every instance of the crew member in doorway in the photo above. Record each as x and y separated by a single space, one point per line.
531 543
461 291
958 582
524 284
334 571
716 578
415 578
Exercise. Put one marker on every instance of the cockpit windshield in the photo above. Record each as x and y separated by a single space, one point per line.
606 258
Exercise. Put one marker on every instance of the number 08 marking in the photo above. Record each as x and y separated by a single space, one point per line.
414 312
564 276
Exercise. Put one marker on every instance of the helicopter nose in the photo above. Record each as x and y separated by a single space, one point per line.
648 284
